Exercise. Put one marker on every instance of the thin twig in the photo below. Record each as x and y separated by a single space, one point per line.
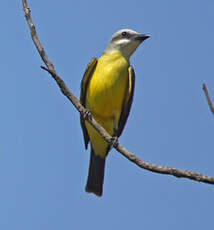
142 164
208 98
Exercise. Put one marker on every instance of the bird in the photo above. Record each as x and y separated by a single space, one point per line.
107 90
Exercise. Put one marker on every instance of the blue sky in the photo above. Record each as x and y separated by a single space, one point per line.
43 164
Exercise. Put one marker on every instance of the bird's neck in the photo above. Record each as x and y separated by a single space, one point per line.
115 54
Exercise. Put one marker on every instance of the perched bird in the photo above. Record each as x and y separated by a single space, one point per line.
107 90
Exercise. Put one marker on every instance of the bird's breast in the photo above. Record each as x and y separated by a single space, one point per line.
107 87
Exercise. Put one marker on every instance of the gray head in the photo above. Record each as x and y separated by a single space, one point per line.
126 41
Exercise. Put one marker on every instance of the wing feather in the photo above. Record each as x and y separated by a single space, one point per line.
127 101
84 85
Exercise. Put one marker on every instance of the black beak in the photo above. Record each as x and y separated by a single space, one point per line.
141 37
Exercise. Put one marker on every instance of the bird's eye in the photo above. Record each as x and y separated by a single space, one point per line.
124 33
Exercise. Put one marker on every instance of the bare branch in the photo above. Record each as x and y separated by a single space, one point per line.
208 98
142 164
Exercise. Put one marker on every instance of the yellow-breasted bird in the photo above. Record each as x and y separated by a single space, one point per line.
107 90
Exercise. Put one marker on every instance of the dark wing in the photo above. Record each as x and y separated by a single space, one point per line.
84 84
127 101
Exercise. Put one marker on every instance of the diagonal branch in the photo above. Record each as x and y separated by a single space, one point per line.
208 98
142 164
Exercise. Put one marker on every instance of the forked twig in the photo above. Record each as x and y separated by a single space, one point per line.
142 164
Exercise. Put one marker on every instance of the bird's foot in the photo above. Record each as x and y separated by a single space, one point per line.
114 142
86 114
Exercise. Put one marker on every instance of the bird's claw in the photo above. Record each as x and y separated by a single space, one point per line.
114 142
86 114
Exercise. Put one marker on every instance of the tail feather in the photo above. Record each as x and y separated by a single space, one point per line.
95 174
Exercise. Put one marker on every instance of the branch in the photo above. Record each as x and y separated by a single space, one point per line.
142 164
208 98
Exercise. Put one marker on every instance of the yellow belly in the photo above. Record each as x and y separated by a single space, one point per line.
105 95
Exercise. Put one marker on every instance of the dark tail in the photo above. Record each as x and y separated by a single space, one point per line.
95 174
